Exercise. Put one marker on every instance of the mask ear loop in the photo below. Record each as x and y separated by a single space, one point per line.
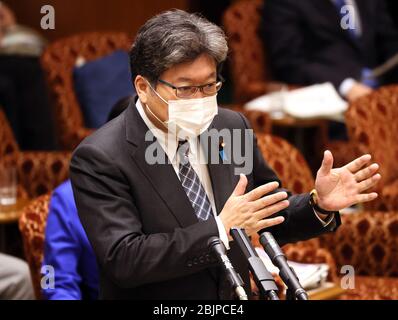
164 123
159 96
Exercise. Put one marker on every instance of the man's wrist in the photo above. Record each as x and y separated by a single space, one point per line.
314 202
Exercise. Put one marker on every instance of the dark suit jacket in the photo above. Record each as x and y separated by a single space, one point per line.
143 229
24 96
306 45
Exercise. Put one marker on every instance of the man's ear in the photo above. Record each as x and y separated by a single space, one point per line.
142 88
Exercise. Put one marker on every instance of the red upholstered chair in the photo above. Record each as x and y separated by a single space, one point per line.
343 152
32 225
373 128
259 121
288 163
247 56
58 61
8 143
38 172
368 241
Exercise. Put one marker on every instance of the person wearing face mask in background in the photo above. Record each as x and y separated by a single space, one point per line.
149 222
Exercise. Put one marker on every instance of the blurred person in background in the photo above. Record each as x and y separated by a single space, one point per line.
23 92
307 43
15 280
8 97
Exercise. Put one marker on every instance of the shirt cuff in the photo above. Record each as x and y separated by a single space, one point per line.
327 222
222 232
346 86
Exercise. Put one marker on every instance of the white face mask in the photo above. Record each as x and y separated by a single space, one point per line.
191 117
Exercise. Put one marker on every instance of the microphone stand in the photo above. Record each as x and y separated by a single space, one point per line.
294 289
290 293
263 278
233 277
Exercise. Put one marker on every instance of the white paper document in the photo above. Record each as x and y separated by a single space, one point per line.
316 101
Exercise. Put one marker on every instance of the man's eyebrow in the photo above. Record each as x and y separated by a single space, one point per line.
183 79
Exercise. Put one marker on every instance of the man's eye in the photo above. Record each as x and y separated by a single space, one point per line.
185 89
210 86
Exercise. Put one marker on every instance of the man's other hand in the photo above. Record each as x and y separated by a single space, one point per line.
250 210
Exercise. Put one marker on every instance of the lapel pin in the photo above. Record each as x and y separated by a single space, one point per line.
221 151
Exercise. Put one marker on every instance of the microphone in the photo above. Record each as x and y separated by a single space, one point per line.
287 273
234 278
263 278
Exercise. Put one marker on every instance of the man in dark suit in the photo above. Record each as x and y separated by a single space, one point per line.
148 202
315 41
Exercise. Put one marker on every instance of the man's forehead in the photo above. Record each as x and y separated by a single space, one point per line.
203 68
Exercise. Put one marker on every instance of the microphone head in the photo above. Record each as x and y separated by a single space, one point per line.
243 241
271 247
213 241
216 245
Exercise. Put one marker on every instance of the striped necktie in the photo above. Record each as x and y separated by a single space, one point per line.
192 185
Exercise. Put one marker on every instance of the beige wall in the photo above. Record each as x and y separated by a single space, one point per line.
72 16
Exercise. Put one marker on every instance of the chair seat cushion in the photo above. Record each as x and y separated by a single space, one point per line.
100 84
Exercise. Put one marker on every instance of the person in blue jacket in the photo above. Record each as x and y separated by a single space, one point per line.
68 250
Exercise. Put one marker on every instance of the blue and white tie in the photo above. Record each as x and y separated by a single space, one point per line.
192 185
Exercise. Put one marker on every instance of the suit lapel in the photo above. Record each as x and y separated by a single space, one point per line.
220 173
220 178
162 176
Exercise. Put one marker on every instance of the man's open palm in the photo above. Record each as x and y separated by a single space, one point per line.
343 187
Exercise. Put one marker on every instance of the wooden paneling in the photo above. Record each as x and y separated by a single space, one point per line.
73 16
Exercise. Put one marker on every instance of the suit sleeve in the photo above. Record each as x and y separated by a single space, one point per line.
112 222
283 33
301 222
